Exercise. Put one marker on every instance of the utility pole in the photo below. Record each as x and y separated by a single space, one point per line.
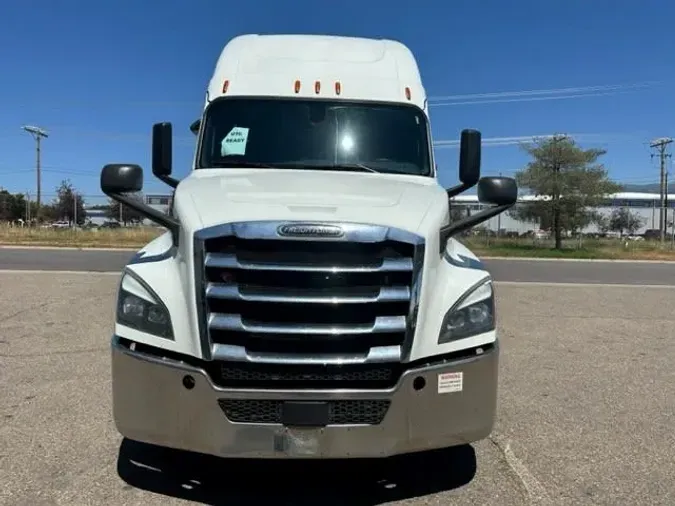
660 145
499 219
665 192
37 133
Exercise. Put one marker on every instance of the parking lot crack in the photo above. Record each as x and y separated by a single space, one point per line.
98 349
24 311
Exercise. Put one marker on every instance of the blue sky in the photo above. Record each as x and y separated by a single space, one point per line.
97 75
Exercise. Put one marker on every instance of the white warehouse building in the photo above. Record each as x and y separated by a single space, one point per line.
646 205
159 202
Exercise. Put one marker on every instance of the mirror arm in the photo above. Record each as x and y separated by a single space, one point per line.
171 181
158 217
456 190
460 226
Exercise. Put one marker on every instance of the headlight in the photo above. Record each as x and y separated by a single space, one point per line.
473 314
140 308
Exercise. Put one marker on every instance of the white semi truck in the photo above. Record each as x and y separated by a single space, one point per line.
308 299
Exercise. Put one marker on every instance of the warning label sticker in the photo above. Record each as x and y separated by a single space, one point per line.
450 382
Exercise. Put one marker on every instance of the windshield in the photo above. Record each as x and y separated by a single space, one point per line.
315 134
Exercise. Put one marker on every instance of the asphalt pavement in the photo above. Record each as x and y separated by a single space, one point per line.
585 412
63 259
506 270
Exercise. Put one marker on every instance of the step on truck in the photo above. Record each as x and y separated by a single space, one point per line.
308 298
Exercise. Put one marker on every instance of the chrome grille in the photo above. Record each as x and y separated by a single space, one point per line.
266 298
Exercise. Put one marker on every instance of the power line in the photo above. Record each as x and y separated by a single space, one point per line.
541 92
74 173
599 137
526 99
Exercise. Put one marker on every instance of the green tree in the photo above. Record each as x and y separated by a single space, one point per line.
12 206
69 204
128 215
48 212
6 204
623 219
570 181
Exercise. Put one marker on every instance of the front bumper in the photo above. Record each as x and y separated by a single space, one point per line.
152 405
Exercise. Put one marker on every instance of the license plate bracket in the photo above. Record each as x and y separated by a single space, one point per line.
305 414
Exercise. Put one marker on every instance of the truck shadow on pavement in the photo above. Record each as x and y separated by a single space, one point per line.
209 480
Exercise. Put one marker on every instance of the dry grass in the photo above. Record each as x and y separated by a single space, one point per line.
137 237
589 249
132 237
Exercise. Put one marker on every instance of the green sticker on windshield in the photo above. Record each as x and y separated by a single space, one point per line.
234 142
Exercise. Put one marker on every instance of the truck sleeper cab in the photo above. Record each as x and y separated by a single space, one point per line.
308 299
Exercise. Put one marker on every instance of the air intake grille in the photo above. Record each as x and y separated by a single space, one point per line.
307 296
245 375
341 412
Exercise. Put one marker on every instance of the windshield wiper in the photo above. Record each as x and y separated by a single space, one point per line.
336 166
242 164
355 166
290 165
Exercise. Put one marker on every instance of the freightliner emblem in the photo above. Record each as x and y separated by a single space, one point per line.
309 230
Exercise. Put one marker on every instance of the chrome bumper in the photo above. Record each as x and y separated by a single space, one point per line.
152 405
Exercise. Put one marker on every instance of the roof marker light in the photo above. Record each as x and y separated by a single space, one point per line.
317 87
338 87
226 85
407 93
297 86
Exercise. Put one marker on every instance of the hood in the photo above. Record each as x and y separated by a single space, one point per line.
212 196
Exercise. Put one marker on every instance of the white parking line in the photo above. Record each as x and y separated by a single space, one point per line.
580 285
536 493
579 260
65 248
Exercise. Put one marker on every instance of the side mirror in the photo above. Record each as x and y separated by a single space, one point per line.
162 151
469 162
194 127
469 157
121 178
500 191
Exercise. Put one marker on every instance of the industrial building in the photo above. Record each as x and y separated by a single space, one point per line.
96 216
100 216
645 205
159 202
